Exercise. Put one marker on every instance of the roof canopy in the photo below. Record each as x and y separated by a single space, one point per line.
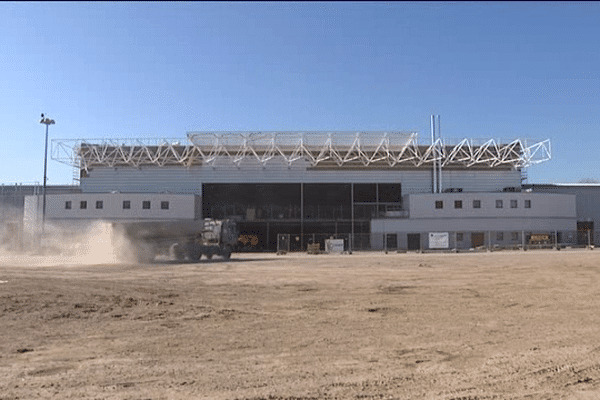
383 149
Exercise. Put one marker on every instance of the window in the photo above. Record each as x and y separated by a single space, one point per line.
439 204
126 204
514 204
457 203
365 192
514 236
164 205
476 203
389 192
99 205
83 204
146 204
527 203
67 205
459 236
499 236
498 203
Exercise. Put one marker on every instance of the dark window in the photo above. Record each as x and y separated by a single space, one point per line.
164 205
67 205
390 193
527 203
146 204
498 203
99 204
499 236
439 204
514 236
476 203
126 204
227 199
459 236
83 204
457 203
323 201
365 192
514 204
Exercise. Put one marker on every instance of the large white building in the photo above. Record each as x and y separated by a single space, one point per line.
383 189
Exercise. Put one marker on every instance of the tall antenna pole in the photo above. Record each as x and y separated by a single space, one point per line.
434 185
46 121
439 134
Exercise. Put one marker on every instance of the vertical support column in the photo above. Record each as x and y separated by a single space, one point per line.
439 135
588 237
301 216
434 183
350 239
385 242
377 200
351 214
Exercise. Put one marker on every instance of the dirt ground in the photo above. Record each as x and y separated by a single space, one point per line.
501 325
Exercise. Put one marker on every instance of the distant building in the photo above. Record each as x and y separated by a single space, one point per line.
382 189
587 204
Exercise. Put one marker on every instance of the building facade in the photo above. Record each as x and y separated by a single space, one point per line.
309 183
484 219
587 205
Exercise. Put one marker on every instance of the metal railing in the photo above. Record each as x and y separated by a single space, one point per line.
244 212
443 241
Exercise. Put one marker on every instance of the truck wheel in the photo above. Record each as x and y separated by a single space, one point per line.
226 253
177 252
144 253
193 252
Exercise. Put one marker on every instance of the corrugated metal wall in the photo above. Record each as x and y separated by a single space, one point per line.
587 201
154 179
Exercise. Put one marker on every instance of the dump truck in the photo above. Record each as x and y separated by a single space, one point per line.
144 225
178 239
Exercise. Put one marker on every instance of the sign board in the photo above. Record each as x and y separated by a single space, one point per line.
539 238
334 245
438 240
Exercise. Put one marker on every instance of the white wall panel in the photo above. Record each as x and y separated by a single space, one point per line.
183 180
473 224
179 206
542 205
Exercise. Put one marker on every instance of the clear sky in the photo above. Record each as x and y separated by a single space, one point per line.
129 70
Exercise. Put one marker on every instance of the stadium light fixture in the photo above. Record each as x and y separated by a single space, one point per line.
46 121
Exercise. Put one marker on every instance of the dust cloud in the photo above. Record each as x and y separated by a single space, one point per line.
96 242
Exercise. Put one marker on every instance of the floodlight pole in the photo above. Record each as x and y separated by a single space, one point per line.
46 121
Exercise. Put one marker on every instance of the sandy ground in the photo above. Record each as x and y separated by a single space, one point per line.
502 325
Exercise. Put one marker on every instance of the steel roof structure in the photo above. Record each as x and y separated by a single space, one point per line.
365 148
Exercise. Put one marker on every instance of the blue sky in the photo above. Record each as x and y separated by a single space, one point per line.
129 70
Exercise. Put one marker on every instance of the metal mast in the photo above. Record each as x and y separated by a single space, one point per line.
434 185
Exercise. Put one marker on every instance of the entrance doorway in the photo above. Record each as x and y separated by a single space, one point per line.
585 228
413 241
391 241
477 239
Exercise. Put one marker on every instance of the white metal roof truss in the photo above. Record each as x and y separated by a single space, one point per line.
339 148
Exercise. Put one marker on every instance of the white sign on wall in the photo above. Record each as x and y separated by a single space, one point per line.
438 240
334 245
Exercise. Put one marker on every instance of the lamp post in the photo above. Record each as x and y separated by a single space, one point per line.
46 121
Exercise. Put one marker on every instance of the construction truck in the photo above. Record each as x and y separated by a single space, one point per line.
144 225
177 239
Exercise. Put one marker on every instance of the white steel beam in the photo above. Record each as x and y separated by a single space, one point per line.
387 149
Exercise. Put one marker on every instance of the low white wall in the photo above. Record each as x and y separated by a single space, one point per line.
423 206
179 206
